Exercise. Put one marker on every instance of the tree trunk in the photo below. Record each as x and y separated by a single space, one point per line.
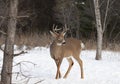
99 30
99 45
6 74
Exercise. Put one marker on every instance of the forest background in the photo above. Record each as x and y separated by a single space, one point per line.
38 17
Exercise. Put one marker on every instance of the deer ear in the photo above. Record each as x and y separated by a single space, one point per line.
53 34
63 33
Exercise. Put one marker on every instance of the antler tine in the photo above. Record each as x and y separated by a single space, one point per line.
55 28
65 29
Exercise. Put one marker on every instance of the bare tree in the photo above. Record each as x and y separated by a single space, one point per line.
6 75
66 12
99 30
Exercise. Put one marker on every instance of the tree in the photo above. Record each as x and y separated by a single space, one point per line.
99 30
66 12
6 75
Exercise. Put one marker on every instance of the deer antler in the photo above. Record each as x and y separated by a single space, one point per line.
65 29
55 28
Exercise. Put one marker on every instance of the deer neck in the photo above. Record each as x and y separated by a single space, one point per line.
57 45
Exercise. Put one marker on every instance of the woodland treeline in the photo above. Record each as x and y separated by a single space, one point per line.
38 16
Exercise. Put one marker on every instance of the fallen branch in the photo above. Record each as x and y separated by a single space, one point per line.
26 62
20 69
39 81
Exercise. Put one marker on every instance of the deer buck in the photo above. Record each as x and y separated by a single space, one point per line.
65 48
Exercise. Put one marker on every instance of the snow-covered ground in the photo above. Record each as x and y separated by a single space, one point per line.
37 67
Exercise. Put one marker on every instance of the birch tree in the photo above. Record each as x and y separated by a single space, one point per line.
99 30
6 74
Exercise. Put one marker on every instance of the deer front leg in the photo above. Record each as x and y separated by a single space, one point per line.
58 63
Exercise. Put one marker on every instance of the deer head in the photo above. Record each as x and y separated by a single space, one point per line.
59 38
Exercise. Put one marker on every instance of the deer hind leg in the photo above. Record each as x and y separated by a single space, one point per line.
58 63
81 65
70 66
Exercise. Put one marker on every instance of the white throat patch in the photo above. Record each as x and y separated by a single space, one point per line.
82 45
59 44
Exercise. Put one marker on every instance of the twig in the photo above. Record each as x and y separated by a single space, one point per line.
3 32
20 69
26 62
23 16
2 17
39 81
28 80
106 15
26 16
22 52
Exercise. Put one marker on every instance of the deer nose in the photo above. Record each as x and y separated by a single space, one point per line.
63 42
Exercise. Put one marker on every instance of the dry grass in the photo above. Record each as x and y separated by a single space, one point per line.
34 40
90 44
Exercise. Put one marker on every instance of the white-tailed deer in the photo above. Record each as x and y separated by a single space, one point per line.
64 48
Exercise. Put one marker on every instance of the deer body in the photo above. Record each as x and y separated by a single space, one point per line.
64 48
72 45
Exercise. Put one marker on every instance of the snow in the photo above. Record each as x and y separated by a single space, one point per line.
37 67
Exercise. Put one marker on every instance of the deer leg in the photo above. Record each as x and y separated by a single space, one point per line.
81 66
58 63
59 74
70 66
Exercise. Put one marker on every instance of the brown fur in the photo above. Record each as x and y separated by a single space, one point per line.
72 47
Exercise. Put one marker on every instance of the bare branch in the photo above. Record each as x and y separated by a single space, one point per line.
2 17
39 81
116 35
22 52
20 69
26 16
101 3
3 32
26 62
106 14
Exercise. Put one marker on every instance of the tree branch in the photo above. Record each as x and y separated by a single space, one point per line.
106 14
3 32
26 16
22 52
2 17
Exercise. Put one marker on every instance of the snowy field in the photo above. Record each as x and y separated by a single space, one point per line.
37 67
